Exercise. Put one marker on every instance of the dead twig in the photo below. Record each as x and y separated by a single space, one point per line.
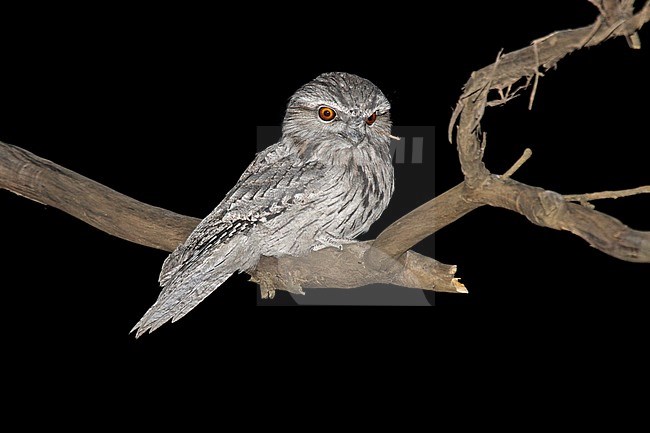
607 194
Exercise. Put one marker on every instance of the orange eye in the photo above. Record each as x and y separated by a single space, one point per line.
370 120
326 113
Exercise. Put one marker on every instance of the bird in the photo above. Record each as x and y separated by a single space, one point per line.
325 182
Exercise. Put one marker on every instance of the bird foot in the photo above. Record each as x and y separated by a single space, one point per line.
326 241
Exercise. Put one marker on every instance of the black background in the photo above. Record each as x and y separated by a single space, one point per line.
162 105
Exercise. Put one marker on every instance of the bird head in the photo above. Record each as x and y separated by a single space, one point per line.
340 110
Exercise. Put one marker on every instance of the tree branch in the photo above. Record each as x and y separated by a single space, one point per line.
427 219
544 52
481 187
45 182
545 208
349 268
550 209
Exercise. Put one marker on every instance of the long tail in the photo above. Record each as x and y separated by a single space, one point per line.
189 283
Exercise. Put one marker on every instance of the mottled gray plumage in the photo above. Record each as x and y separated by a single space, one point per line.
322 184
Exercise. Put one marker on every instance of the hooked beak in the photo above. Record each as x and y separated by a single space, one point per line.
354 135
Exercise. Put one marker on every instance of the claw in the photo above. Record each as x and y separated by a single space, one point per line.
325 241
